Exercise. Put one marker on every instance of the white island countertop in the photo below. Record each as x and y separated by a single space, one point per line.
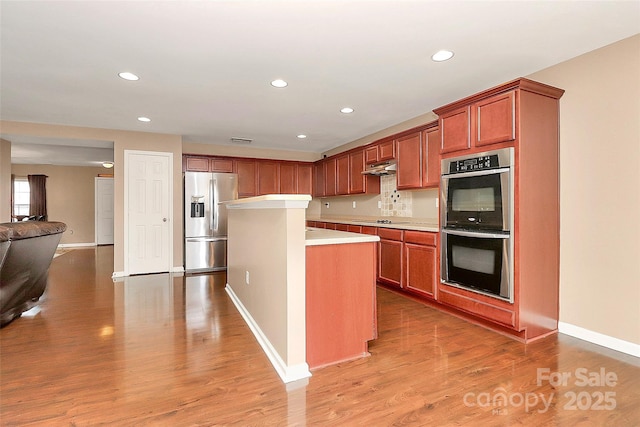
321 236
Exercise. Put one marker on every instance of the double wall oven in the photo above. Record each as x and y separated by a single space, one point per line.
477 223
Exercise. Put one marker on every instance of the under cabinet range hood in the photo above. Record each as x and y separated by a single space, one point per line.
378 169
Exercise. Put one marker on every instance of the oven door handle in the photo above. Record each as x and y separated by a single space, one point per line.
475 173
477 234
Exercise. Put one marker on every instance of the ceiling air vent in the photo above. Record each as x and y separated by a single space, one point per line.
236 140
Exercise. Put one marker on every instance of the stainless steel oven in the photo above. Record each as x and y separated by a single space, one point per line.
481 262
476 191
477 223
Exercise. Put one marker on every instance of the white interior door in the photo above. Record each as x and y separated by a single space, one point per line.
104 211
148 198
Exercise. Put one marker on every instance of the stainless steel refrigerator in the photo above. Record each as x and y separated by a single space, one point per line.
205 219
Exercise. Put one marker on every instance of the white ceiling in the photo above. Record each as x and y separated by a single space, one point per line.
205 66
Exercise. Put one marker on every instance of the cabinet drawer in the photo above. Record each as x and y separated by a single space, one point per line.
420 237
390 234
479 308
342 227
369 230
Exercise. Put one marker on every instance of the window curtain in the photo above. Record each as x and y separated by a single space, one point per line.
38 195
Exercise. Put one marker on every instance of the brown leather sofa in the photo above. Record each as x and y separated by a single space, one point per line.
26 251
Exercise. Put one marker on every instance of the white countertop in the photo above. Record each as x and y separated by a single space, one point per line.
271 201
402 223
321 236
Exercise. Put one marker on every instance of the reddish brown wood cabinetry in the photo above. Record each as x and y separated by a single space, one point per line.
247 178
522 114
371 154
330 176
288 178
196 164
386 150
318 179
420 262
304 176
357 181
495 119
455 130
431 150
342 175
221 165
390 256
409 161
268 177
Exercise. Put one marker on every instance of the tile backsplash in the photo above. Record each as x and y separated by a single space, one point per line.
394 202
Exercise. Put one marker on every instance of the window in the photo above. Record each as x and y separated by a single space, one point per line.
20 196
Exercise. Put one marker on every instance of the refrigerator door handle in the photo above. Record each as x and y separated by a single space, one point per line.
214 205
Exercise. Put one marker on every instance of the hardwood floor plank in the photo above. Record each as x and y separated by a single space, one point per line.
173 351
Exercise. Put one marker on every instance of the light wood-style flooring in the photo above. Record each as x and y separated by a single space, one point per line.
173 351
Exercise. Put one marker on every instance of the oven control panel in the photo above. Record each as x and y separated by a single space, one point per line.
474 164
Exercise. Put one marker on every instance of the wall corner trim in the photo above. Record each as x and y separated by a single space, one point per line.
287 373
600 339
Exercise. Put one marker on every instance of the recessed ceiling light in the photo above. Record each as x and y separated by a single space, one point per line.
128 76
279 83
346 110
144 119
442 55
302 136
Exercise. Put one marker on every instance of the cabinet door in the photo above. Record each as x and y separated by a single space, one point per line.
196 164
268 177
371 154
221 165
356 179
319 181
386 151
390 262
431 158
330 177
455 126
420 268
342 175
495 118
288 178
409 158
304 178
246 170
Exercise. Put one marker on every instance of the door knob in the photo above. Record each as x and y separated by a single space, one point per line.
164 219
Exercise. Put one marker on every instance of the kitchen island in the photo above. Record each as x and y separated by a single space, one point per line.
308 295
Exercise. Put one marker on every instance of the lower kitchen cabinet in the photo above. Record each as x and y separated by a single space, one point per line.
420 262
390 256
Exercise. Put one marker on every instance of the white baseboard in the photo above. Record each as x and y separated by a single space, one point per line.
599 339
287 373
76 245
178 269
118 274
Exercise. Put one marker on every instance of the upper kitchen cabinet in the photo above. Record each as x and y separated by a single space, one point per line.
268 177
195 164
318 179
431 156
359 183
247 177
330 176
304 177
455 129
495 119
342 175
386 150
490 117
288 178
371 154
409 161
